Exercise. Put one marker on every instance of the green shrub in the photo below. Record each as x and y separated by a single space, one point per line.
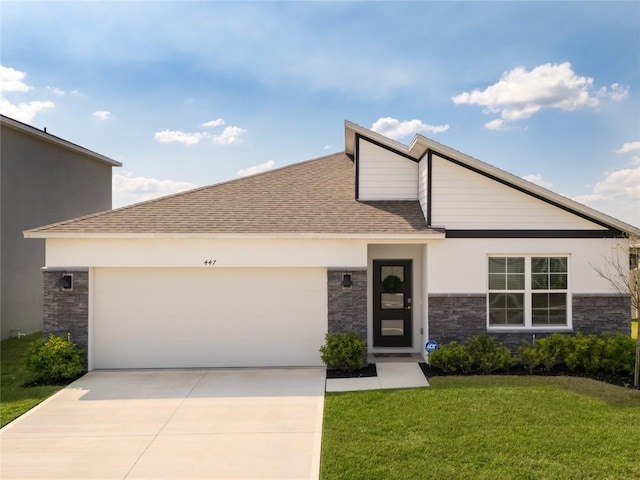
619 354
451 358
530 355
553 350
489 356
54 360
344 351
585 353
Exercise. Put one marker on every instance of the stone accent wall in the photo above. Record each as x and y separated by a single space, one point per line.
347 308
459 317
599 313
456 317
66 312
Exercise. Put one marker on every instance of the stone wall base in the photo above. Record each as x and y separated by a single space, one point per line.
347 307
66 312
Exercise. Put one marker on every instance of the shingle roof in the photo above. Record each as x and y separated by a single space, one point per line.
313 197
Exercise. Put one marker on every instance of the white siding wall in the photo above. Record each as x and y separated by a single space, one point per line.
423 183
193 253
460 265
384 175
462 199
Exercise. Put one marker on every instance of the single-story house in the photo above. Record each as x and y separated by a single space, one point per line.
402 244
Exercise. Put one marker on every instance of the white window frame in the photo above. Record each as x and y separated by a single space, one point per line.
528 291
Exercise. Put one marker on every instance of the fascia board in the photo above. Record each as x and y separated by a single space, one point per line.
47 137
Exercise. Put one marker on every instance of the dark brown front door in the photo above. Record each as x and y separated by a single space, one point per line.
392 303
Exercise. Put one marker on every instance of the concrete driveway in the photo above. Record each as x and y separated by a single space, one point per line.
173 424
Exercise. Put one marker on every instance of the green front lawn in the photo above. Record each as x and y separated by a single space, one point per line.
493 427
15 398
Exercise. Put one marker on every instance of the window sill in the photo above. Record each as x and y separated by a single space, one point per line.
559 329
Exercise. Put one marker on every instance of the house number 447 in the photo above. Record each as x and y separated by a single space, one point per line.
209 263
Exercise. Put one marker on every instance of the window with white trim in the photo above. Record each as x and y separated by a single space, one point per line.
528 291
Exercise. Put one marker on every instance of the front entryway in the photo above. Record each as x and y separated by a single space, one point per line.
392 303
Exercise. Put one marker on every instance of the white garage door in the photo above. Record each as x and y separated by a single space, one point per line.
209 317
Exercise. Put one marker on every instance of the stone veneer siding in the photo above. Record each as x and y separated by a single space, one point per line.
460 317
67 312
347 308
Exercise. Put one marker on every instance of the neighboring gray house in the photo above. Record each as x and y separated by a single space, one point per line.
43 179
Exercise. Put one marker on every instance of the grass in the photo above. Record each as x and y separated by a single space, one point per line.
16 399
493 427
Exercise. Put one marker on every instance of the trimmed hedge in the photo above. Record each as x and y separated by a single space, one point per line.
54 360
609 354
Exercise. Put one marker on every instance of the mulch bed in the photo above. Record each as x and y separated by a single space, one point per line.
368 371
557 371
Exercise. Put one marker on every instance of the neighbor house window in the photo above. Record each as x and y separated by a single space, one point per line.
528 291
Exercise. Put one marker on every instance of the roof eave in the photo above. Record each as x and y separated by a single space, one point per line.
47 137
430 235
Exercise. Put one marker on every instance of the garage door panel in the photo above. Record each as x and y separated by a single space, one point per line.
163 318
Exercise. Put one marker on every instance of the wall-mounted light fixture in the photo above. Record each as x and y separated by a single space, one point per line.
65 281
346 280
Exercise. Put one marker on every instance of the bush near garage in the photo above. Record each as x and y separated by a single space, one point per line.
54 360
343 351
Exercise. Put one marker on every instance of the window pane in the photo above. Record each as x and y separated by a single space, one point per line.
392 328
497 316
515 317
558 317
557 300
515 282
540 300
497 300
539 265
515 265
497 265
539 281
398 271
497 281
558 264
540 317
392 301
515 300
558 281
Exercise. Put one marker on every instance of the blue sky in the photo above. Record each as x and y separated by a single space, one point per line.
187 94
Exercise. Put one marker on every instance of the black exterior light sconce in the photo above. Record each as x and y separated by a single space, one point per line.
65 281
346 281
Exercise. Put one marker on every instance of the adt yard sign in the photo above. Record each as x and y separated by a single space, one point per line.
431 346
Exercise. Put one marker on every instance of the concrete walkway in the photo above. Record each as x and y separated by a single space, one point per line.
391 374
173 424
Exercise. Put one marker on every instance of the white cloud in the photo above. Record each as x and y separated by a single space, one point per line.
615 92
618 194
519 93
230 136
128 189
214 123
395 129
327 147
11 80
102 115
628 147
23 112
188 139
537 179
263 167
56 90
